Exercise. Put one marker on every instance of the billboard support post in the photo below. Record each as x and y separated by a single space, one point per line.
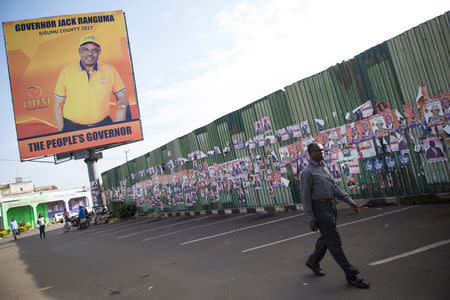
91 163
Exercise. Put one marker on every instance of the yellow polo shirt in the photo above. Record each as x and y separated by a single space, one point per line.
86 98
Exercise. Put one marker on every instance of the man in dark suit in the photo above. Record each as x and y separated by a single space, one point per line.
433 151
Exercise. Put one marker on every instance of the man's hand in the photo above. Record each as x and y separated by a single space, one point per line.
355 209
313 225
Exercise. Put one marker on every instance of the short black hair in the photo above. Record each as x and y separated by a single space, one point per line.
311 146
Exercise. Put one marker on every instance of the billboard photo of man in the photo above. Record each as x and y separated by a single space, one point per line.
72 84
84 88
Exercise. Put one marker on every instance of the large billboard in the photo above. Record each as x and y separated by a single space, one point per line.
72 83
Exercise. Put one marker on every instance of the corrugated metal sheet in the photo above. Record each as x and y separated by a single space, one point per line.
421 56
391 71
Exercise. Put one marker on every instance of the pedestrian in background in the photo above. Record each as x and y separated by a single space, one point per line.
14 228
41 223
318 193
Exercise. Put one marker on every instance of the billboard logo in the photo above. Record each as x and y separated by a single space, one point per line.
36 101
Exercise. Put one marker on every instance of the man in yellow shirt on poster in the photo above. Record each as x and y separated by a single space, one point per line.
84 89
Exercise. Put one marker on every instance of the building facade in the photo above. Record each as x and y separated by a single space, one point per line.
21 201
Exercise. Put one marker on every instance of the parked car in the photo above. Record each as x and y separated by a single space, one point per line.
58 217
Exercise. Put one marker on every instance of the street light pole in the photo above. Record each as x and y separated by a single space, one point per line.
126 154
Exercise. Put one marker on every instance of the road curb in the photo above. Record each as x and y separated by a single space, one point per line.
274 209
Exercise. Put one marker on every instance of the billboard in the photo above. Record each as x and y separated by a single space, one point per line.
72 83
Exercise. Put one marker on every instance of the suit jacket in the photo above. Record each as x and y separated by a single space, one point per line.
433 154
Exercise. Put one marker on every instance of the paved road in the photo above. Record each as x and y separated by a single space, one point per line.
233 257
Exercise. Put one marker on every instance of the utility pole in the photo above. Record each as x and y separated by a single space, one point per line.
126 153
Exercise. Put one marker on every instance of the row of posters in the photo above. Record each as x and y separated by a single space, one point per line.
384 132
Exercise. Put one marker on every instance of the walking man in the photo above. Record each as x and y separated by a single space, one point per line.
318 192
13 227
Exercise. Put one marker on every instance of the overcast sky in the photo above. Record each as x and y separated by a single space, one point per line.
195 61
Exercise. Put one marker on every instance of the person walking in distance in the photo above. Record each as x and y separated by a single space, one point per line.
318 192
41 223
14 228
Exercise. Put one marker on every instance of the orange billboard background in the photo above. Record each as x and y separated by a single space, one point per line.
37 55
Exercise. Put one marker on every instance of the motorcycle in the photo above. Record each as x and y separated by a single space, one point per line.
80 223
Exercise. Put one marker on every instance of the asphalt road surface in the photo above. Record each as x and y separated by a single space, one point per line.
403 251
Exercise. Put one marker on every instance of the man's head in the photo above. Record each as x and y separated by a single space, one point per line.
445 103
315 151
432 144
435 110
388 119
89 50
365 127
379 124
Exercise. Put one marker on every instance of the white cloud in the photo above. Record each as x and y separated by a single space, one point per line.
273 45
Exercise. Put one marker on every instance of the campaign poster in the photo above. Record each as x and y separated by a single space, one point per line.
368 164
382 106
282 135
348 153
72 83
295 150
294 168
259 140
434 149
379 125
391 120
378 164
265 122
343 136
445 103
354 167
404 159
257 182
432 112
305 142
238 144
258 128
393 143
329 139
306 129
270 140
353 133
365 129
276 179
294 131
334 170
367 149
284 154
302 163
391 163
363 111
411 115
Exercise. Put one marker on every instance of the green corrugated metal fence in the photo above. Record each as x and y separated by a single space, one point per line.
391 71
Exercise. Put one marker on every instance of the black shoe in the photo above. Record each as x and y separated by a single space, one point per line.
317 271
359 283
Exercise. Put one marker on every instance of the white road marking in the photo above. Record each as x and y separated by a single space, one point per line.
237 230
46 288
102 230
195 227
313 232
418 250
151 229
